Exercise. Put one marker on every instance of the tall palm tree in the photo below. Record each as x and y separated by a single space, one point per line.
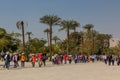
47 31
50 20
89 28
75 25
67 24
82 41
89 34
29 35
94 35
55 38
20 25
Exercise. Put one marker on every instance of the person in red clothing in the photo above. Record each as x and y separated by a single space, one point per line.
65 58
40 56
33 60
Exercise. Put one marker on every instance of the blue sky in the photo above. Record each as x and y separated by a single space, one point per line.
103 14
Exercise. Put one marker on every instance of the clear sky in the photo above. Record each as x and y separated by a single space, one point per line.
103 14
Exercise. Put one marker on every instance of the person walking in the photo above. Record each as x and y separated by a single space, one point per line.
113 60
109 60
65 58
15 60
44 59
118 60
23 58
40 56
33 60
7 60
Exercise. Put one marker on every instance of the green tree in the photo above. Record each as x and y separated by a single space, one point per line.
50 20
89 28
29 35
55 38
75 24
75 41
67 25
36 44
3 39
14 41
8 41
88 36
103 42
47 31
15 35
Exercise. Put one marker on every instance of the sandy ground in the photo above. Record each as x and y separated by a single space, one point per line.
80 71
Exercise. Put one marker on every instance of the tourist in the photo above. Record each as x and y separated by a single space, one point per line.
40 56
65 58
15 60
44 59
7 60
113 60
118 60
109 59
23 58
70 59
33 60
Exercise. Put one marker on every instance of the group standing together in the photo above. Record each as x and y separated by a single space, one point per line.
41 58
111 59
7 57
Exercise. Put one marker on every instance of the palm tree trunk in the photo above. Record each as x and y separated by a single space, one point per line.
23 37
48 38
82 45
93 45
51 41
67 40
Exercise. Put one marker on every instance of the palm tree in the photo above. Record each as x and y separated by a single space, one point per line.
89 34
75 25
94 35
55 38
47 31
20 25
89 28
67 24
50 20
29 35
82 41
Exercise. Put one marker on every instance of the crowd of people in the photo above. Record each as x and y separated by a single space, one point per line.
15 58
80 58
56 59
63 59
110 59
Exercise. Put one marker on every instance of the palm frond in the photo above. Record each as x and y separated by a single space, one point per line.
50 20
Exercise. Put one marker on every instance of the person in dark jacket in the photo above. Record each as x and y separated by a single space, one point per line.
7 60
44 59
118 60
109 60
